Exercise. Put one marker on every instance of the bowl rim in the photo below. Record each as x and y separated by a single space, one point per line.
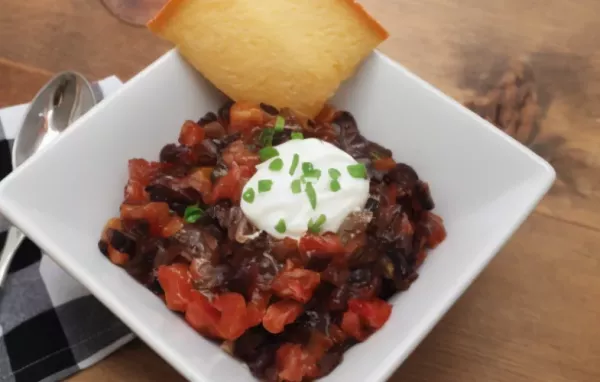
389 363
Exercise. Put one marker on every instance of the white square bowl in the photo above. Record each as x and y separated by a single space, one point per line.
483 182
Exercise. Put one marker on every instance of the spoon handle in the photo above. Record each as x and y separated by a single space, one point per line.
14 238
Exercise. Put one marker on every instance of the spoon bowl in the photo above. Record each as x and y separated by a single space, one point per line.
66 97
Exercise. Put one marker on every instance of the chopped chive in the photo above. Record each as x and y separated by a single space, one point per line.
315 227
307 167
249 195
280 227
264 185
334 185
315 173
267 153
296 186
266 137
297 135
312 195
295 161
276 164
357 170
279 123
334 173
192 214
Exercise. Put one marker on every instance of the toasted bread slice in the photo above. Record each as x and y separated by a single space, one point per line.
287 53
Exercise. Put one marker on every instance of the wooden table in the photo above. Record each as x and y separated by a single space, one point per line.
534 313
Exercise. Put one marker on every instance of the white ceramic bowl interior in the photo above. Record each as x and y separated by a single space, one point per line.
483 182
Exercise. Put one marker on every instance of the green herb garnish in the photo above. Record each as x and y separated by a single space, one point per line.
297 135
266 137
276 164
316 173
315 227
280 227
248 195
335 185
193 213
357 171
312 195
308 171
334 173
296 186
295 161
265 185
267 153
279 123
307 167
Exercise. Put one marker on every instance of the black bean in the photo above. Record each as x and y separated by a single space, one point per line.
170 153
338 301
224 112
206 153
121 242
208 118
404 176
269 109
424 196
103 247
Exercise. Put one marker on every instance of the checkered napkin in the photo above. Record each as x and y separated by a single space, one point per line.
50 325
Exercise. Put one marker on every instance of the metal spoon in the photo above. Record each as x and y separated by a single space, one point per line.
59 103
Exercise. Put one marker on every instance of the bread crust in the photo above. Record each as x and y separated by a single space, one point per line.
368 19
162 17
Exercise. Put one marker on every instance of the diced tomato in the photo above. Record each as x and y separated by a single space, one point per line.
237 153
365 316
257 307
352 326
337 335
228 186
280 314
233 321
244 115
112 223
143 171
318 344
287 249
241 163
328 244
156 213
201 315
176 281
326 115
191 134
200 181
375 312
117 257
437 232
297 284
294 363
384 164
172 227
225 318
135 193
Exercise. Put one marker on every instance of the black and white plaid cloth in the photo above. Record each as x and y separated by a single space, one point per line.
50 325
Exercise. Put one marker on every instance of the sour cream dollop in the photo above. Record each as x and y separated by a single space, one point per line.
284 203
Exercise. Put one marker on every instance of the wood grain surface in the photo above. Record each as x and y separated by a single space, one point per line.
534 313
